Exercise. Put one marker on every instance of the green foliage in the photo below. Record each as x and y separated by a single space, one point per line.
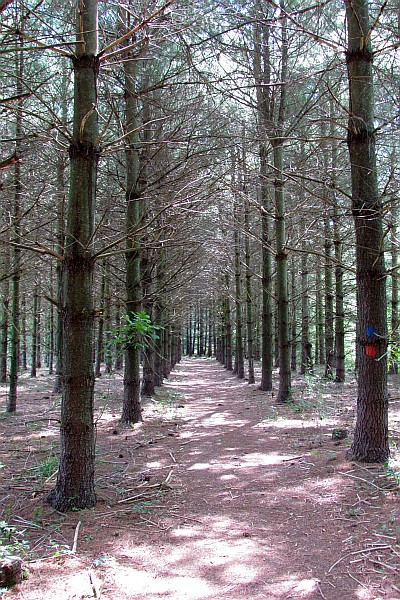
392 472
394 356
47 467
11 541
137 331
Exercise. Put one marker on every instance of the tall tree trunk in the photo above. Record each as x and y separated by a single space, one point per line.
23 336
107 319
239 350
39 333
262 76
34 330
306 356
227 328
75 480
60 237
100 329
394 321
5 307
339 295
50 329
249 295
159 319
293 359
131 409
329 297
277 142
210 332
16 232
319 318
370 443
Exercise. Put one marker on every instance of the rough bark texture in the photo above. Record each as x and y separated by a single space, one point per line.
329 297
262 76
5 302
306 356
339 310
10 571
16 231
59 269
239 350
131 409
293 316
227 328
34 330
370 442
319 325
249 298
75 480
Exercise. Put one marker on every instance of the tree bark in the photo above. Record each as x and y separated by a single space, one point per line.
34 330
5 307
131 409
262 76
249 296
370 443
293 316
75 480
239 350
306 356
100 329
16 232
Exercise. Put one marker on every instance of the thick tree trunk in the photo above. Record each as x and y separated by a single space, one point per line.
75 480
370 443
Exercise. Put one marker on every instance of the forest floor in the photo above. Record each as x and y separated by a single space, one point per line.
219 493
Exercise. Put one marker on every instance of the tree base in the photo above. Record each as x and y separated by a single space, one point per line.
10 571
368 455
59 502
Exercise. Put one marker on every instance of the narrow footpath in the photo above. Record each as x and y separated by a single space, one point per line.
218 494
259 507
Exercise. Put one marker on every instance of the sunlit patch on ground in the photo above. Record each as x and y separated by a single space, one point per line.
227 496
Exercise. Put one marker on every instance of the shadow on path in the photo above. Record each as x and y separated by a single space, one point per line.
250 515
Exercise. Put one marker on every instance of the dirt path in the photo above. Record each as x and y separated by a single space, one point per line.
257 502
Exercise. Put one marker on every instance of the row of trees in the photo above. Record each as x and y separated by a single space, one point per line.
209 191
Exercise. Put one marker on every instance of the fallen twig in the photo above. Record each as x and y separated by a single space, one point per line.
74 545
364 551
382 564
360 479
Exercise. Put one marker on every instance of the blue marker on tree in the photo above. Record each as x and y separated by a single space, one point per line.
371 349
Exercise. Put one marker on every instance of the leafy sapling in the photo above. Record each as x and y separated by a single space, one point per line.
137 331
